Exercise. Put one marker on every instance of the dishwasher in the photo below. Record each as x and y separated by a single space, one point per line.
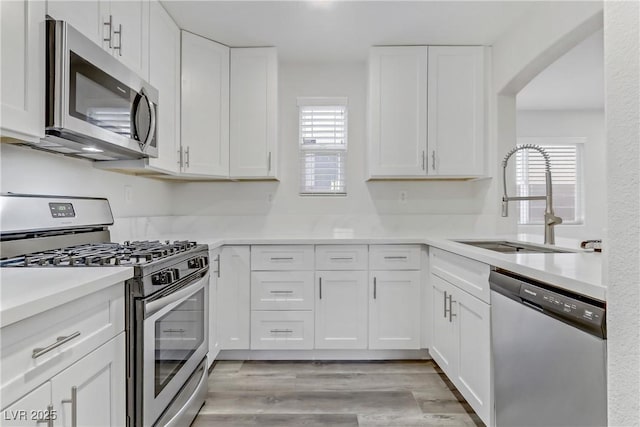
549 354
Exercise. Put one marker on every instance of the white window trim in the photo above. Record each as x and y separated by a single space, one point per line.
564 140
324 101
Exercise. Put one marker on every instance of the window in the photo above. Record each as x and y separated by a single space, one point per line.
566 172
323 146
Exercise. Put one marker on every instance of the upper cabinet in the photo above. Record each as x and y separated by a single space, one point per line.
22 66
205 106
120 27
253 115
426 112
164 75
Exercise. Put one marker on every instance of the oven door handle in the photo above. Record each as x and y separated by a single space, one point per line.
152 307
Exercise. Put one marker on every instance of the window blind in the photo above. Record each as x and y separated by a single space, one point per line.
323 149
566 175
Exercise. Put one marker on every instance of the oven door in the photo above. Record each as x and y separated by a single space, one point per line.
175 341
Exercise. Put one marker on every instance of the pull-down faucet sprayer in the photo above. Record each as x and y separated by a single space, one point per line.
550 219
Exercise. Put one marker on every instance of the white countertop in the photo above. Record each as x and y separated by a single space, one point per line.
579 272
25 292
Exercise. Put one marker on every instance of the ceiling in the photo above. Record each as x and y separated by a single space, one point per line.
574 82
337 31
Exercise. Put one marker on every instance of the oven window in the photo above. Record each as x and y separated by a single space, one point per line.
178 334
97 98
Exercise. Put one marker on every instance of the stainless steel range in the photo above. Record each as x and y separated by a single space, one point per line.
167 315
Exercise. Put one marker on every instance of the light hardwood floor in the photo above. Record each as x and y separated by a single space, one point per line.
388 393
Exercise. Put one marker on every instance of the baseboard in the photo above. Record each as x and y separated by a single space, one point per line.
422 354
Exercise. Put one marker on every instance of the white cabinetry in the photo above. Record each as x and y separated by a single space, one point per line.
70 359
205 107
214 342
120 27
461 341
426 112
35 409
234 298
164 75
253 116
22 70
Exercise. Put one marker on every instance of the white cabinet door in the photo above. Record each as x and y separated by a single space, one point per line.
397 111
164 59
130 34
205 106
341 310
214 343
473 371
90 17
22 69
32 410
95 386
456 110
394 310
234 298
443 343
253 117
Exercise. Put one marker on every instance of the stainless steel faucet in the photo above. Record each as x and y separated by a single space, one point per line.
550 220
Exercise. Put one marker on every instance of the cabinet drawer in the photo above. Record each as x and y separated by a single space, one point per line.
282 290
394 257
281 330
341 257
469 275
91 321
282 257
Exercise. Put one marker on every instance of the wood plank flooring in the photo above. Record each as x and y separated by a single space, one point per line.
306 394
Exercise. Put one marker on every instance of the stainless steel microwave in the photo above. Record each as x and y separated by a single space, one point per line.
96 107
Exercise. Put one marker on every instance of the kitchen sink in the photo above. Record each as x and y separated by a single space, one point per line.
507 247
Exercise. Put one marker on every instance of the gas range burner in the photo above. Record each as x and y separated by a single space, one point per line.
101 254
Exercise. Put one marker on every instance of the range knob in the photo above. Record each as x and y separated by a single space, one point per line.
165 277
198 262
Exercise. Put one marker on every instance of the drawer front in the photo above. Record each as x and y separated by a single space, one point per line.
87 323
467 274
394 257
282 290
342 257
281 330
282 257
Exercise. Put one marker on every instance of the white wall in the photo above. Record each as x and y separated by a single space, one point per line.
368 207
590 125
622 251
25 170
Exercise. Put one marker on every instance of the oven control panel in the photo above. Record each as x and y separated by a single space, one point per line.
62 210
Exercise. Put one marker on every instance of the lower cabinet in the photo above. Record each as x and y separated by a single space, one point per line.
214 343
234 298
394 310
92 390
341 310
281 330
35 409
461 343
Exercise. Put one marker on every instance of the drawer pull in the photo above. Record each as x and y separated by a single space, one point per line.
48 418
281 331
174 330
395 257
281 292
74 406
375 288
320 283
37 352
282 258
341 258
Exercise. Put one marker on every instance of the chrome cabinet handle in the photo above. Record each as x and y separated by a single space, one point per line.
433 160
375 288
119 33
110 25
269 162
74 406
218 262
451 315
180 157
444 300
49 418
395 257
286 258
320 280
341 258
187 156
37 352
284 331
174 330
424 159
281 292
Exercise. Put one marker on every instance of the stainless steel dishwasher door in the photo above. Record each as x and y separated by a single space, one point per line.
546 372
